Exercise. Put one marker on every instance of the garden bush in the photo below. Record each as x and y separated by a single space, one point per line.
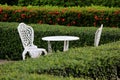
27 76
101 63
69 16
11 46
65 3
12 2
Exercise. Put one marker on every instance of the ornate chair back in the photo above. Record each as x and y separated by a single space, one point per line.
26 34
98 35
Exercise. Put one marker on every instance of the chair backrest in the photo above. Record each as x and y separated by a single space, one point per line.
98 35
26 34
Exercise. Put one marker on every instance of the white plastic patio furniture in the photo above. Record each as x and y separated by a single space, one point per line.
66 40
26 34
98 35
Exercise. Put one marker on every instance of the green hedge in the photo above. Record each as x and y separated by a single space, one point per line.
11 46
26 76
12 2
98 63
69 16
65 3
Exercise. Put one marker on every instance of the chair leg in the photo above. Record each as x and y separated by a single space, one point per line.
45 52
23 54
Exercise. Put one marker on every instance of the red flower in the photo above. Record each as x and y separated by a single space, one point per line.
5 15
40 22
73 22
117 12
96 17
0 10
17 11
63 19
23 15
94 23
107 18
100 18
50 21
56 13
58 19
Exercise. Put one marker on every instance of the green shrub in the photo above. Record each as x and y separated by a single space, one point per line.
69 16
12 2
65 3
102 63
11 46
26 76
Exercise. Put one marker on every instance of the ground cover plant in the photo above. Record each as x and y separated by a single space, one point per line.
102 63
11 46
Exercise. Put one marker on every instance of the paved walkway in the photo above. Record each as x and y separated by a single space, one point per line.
4 61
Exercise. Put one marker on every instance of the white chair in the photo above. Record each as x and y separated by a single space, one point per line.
97 36
26 34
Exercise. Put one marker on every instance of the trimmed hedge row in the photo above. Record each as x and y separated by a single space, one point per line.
26 76
11 46
65 3
69 16
98 63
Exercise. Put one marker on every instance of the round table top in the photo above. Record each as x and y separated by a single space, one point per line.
60 38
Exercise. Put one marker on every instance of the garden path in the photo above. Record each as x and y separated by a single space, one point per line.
4 61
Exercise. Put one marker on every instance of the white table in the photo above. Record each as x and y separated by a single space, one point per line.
66 40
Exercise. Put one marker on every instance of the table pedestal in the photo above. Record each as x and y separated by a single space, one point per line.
66 45
65 48
49 47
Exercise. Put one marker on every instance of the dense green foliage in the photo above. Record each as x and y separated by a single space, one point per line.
26 76
101 63
12 2
11 46
65 3
69 16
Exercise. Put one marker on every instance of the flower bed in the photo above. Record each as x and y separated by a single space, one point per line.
69 16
